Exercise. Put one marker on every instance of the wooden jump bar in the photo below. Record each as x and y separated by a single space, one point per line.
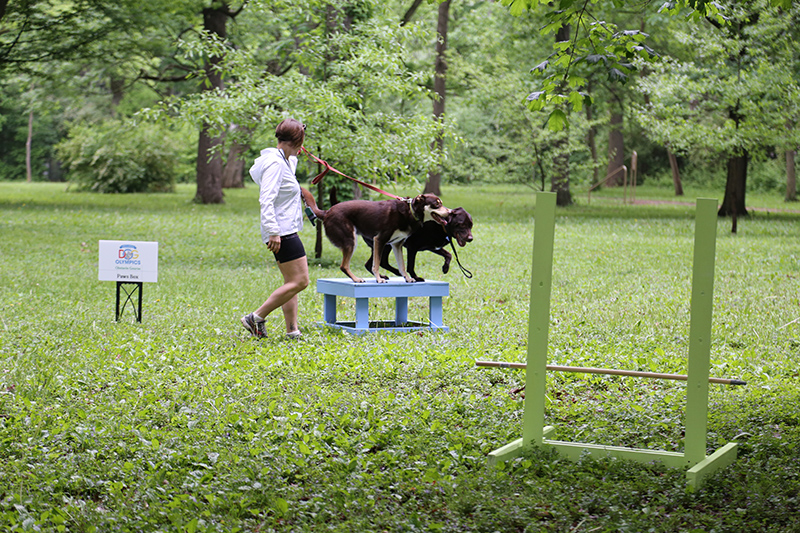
610 371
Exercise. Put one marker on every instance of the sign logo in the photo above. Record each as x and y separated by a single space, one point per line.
128 255
129 261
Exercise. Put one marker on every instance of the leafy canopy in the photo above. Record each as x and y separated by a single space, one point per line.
737 92
594 45
344 76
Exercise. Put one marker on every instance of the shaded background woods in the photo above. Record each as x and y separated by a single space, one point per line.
139 96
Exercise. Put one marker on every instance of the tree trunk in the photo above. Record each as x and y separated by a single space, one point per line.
591 140
321 205
616 150
233 171
117 86
559 183
733 204
676 173
559 180
209 169
433 185
28 148
358 194
209 172
791 177
54 172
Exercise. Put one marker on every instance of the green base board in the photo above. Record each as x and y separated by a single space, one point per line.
574 450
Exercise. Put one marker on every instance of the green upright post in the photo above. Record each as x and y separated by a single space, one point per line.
538 325
702 304
700 352
539 318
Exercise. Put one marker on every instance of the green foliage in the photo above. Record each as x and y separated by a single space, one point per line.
14 115
591 44
183 423
36 32
346 78
117 157
597 45
769 176
737 91
362 84
500 139
564 75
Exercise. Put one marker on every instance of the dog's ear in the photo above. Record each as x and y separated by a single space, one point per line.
418 202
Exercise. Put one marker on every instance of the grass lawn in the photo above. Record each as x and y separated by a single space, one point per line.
184 423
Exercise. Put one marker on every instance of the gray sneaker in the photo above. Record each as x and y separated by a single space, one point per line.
255 327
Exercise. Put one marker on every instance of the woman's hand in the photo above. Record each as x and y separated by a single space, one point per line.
274 244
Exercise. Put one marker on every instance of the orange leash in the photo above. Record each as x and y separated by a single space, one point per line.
329 168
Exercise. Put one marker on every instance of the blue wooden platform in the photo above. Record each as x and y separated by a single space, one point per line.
396 288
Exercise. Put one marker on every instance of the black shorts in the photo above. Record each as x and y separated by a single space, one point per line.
291 249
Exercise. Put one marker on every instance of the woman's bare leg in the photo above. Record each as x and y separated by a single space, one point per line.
295 279
290 314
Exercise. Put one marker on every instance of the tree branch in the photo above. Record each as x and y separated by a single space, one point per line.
575 40
234 14
410 13
190 73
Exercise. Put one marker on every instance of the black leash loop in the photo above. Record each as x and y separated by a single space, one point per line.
467 273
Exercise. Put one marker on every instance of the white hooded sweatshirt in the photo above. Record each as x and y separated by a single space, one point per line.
281 203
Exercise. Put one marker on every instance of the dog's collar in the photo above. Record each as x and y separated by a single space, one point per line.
410 202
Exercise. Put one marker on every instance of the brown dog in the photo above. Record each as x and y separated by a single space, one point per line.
385 222
432 237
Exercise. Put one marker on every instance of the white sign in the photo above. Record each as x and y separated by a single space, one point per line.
132 261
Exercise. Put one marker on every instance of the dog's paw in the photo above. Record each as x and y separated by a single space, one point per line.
357 280
381 280
446 268
417 278
409 279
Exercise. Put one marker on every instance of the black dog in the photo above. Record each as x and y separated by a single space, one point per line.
431 237
387 222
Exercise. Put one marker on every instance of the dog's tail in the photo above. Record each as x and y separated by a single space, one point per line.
311 204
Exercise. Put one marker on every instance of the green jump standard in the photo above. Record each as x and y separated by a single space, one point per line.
534 432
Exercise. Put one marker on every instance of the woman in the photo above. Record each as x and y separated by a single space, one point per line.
281 220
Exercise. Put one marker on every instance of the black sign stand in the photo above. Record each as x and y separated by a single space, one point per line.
137 286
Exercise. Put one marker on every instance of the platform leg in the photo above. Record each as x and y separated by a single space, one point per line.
436 315
400 310
362 313
329 309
